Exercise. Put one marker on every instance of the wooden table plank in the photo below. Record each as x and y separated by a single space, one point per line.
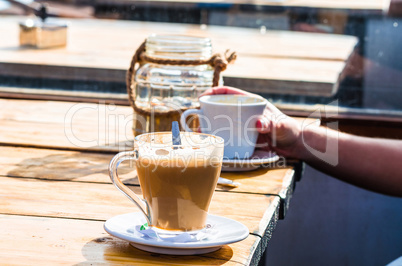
291 76
86 50
307 63
279 182
69 241
48 164
59 165
66 125
91 201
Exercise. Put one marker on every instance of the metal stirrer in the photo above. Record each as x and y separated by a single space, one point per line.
176 134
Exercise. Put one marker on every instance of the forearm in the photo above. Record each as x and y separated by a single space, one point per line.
395 8
374 164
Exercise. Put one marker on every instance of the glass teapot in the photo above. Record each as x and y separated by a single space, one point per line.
173 71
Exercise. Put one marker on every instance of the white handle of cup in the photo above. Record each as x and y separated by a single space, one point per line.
114 164
184 117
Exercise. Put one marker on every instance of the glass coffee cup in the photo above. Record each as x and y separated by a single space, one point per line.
177 181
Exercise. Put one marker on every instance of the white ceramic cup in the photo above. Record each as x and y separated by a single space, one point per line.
231 117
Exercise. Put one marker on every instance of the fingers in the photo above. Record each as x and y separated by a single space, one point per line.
263 125
225 90
263 142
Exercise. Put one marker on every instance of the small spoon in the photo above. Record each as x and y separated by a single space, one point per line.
176 133
227 182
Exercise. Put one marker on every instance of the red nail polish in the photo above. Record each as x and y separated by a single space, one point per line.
258 124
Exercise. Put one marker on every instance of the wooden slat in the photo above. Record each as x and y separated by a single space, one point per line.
92 167
47 164
313 77
66 125
63 95
291 76
64 199
86 49
307 63
264 181
267 181
66 241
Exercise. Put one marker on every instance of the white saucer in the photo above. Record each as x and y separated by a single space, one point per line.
229 231
259 157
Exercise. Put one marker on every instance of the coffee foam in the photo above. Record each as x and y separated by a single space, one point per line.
194 147
187 139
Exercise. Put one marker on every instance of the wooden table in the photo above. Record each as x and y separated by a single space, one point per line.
56 196
100 50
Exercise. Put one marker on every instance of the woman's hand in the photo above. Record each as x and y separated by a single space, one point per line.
369 163
278 132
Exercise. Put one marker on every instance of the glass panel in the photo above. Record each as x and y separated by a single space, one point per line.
292 52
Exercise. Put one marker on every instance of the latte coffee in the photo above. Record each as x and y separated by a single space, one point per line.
178 195
177 181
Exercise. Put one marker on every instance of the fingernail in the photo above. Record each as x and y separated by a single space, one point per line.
262 124
258 124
